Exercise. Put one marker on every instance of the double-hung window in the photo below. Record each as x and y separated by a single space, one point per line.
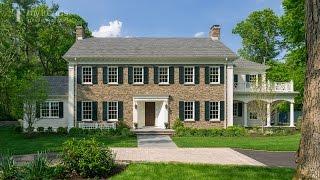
138 75
86 75
214 109
214 75
87 110
113 75
189 75
49 109
189 113
235 109
252 78
113 111
163 75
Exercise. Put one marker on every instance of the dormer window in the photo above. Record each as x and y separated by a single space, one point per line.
86 75
189 75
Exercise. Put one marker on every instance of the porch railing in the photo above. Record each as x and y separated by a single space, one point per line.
267 87
97 125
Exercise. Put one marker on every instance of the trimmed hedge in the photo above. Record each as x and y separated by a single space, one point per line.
212 132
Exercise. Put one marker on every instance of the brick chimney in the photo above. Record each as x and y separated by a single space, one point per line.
215 32
79 33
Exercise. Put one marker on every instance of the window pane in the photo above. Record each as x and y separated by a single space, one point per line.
188 74
137 75
113 74
54 109
214 110
163 75
214 74
188 110
44 110
113 110
86 74
87 110
235 109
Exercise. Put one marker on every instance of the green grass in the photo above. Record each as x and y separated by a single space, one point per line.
17 143
192 171
271 143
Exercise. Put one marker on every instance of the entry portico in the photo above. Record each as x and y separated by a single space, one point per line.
150 110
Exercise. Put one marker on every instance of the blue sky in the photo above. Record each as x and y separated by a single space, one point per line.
166 18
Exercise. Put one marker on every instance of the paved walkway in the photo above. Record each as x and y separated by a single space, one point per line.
185 155
155 141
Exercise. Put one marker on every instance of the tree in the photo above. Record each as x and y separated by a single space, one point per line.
309 150
260 36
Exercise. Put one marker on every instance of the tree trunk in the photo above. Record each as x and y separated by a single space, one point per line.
308 156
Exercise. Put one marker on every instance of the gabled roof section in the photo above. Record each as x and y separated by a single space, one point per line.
148 47
57 85
243 63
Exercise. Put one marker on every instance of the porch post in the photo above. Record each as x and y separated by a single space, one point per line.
245 114
71 96
229 95
268 115
292 114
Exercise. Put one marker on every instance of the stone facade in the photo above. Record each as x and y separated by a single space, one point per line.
177 92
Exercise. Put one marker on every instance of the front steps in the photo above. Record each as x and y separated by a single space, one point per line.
153 131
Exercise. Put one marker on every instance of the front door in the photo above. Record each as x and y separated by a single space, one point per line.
150 113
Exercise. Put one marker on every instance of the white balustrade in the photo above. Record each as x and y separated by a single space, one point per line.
267 87
97 125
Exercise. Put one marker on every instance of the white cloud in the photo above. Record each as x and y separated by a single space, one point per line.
112 30
199 34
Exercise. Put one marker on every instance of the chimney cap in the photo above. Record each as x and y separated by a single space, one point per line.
215 26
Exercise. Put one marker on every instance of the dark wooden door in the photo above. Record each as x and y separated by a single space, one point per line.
150 113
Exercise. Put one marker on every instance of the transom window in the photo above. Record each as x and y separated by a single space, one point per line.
86 110
189 110
138 75
49 110
214 111
163 75
113 110
235 109
253 115
214 75
189 75
113 75
87 75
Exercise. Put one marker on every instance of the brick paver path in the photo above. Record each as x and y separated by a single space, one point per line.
185 155
155 141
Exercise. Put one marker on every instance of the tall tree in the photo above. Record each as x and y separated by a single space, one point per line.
260 36
309 151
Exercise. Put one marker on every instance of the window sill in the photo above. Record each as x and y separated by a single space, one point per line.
113 84
214 121
87 120
215 83
50 118
137 84
189 84
112 120
189 121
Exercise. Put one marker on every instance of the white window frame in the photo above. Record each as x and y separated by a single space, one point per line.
83 110
210 74
90 75
193 75
116 75
235 109
250 116
50 110
117 110
217 119
193 110
133 71
168 73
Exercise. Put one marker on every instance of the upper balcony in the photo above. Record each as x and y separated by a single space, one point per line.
268 87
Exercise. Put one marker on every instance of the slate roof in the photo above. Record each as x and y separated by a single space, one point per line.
148 47
243 63
57 85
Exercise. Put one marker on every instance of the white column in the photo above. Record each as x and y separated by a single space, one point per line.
229 95
292 114
245 114
71 96
268 115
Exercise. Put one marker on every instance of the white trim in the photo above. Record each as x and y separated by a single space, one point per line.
142 75
150 98
193 74
168 75
218 119
117 107
82 119
211 74
193 111
117 75
82 75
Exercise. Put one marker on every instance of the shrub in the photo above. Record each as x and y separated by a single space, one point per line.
40 129
49 129
18 129
229 132
8 169
62 130
38 168
76 131
177 123
87 158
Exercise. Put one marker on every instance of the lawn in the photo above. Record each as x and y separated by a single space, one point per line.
272 143
193 171
16 143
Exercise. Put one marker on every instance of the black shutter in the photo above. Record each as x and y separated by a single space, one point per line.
105 75
94 75
197 110
60 109
240 109
120 75
120 110
206 74
37 110
156 80
207 110
221 74
79 110
79 74
259 78
197 74
146 75
235 78
222 110
181 75
105 111
181 110
247 77
171 75
130 75
94 110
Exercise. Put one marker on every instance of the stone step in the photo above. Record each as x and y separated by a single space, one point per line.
153 132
